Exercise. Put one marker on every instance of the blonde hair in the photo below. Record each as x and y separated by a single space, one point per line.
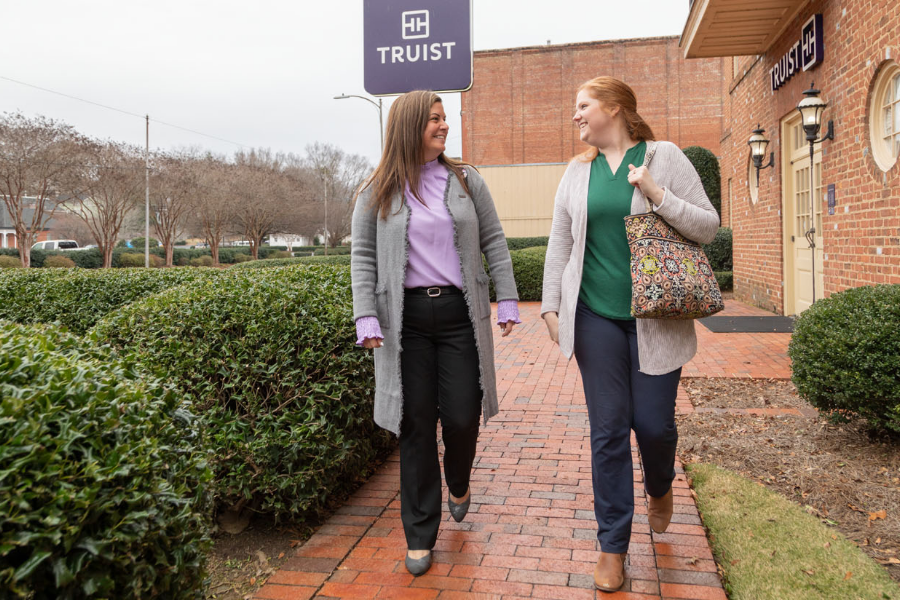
401 159
613 92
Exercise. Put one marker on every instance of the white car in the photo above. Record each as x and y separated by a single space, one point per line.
57 245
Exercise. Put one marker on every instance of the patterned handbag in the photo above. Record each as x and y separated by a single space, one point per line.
670 275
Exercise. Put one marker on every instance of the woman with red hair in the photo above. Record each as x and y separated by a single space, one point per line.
630 368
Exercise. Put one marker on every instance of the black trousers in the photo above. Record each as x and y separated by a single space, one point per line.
621 398
439 367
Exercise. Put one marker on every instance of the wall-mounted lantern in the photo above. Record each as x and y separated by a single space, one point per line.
758 144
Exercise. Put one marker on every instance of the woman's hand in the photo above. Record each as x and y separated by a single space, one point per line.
552 321
371 343
640 177
507 328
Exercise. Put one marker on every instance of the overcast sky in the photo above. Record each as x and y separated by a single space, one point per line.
262 74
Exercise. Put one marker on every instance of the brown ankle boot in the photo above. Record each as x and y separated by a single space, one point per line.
659 511
609 574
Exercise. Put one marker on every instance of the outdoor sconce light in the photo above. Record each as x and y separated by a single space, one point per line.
758 144
811 109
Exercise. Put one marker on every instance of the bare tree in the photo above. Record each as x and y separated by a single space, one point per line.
104 188
261 193
213 205
34 155
172 185
339 175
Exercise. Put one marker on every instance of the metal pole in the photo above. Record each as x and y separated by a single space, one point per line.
147 199
325 181
381 125
811 234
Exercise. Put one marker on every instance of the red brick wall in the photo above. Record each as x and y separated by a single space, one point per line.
857 35
520 107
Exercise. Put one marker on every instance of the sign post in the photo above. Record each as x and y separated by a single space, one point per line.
417 45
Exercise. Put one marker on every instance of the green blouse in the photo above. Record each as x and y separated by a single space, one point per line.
606 277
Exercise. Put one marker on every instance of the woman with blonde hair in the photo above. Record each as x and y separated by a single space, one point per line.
630 368
420 300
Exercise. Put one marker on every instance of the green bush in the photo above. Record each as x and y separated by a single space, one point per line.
78 298
138 244
59 262
269 358
845 354
719 250
281 254
241 258
103 491
202 261
338 259
336 251
528 269
10 262
707 166
526 242
131 260
725 279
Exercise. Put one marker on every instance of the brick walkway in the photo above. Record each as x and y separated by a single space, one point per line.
530 532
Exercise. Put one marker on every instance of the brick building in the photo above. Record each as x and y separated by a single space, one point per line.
858 231
520 107
517 117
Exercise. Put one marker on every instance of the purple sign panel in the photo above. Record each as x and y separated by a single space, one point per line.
417 45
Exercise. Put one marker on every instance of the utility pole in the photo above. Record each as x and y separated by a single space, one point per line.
325 181
147 199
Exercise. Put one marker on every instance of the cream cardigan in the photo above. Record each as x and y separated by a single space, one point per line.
663 345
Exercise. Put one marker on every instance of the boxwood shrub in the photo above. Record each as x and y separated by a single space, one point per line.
520 243
719 251
528 269
269 358
846 355
78 298
725 279
707 166
338 259
103 491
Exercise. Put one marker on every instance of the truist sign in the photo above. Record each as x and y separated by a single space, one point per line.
417 45
805 54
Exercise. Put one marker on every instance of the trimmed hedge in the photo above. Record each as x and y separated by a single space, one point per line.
707 166
10 262
59 262
78 298
102 489
338 259
845 354
725 279
528 269
521 243
92 259
269 358
719 251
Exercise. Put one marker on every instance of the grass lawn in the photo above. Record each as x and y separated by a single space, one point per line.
768 547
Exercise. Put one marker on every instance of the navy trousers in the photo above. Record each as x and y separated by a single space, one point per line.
621 398
439 366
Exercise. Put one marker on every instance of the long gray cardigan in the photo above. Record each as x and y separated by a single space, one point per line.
663 345
378 260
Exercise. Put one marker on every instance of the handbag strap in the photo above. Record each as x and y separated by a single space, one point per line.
648 156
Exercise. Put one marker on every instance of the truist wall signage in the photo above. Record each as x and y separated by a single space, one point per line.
417 45
805 54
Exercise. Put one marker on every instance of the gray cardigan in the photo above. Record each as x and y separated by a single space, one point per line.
663 345
378 260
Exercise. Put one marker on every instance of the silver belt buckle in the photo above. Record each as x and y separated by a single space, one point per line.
436 290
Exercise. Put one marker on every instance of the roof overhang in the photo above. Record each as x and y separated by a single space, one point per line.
736 27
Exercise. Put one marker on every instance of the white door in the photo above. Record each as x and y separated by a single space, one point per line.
799 219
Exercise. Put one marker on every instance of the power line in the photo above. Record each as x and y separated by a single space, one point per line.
124 112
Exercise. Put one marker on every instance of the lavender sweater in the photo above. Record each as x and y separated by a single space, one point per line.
432 259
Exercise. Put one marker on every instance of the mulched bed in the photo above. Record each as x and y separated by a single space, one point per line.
840 473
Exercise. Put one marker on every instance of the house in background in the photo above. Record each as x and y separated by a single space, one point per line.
8 227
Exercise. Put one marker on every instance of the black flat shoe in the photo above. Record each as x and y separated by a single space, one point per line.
418 566
458 511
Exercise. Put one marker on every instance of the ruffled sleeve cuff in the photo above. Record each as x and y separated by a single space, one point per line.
367 327
508 310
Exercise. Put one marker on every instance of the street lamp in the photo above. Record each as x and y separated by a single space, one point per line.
377 105
758 144
811 109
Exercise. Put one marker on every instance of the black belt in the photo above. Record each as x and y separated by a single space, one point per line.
435 291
